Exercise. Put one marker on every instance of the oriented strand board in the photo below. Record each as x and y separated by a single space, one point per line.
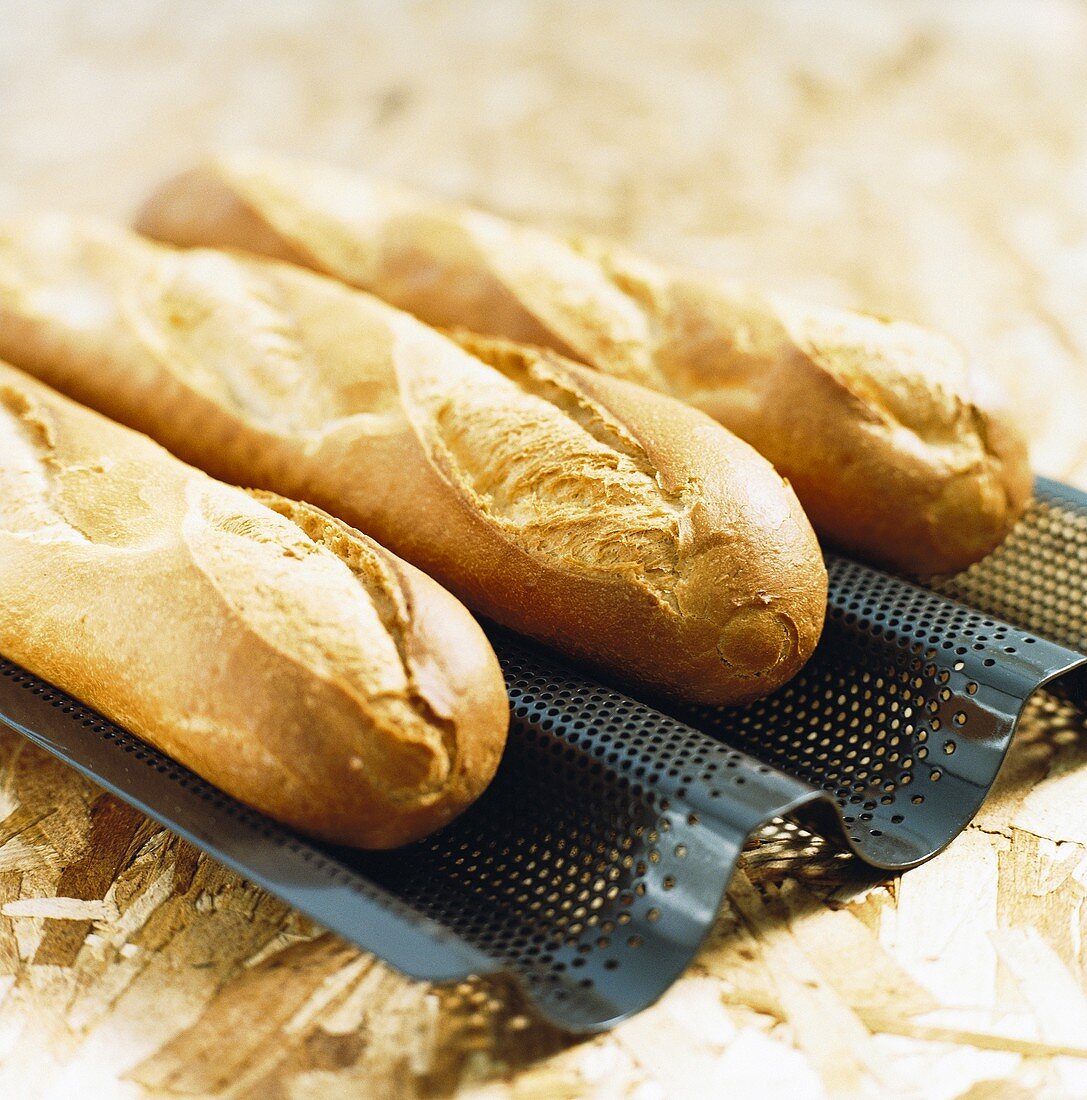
925 160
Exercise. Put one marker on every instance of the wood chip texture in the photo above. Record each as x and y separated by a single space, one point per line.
922 160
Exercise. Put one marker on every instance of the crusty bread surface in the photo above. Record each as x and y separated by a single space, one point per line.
619 525
896 446
265 645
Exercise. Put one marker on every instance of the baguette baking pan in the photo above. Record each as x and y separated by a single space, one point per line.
594 866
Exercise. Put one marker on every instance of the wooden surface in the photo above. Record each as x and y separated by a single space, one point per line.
922 160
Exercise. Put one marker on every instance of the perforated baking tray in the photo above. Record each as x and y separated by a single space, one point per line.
593 867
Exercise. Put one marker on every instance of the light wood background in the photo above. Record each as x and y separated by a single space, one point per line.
927 160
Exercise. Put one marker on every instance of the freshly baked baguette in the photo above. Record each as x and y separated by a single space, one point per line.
619 525
885 431
265 645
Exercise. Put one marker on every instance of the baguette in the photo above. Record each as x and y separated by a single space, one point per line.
608 521
887 434
268 647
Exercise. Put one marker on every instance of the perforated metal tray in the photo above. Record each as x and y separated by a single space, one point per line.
594 866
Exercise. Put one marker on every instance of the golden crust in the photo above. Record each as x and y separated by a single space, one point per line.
739 591
882 428
282 656
617 524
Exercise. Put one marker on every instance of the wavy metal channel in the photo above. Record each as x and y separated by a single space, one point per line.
595 864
